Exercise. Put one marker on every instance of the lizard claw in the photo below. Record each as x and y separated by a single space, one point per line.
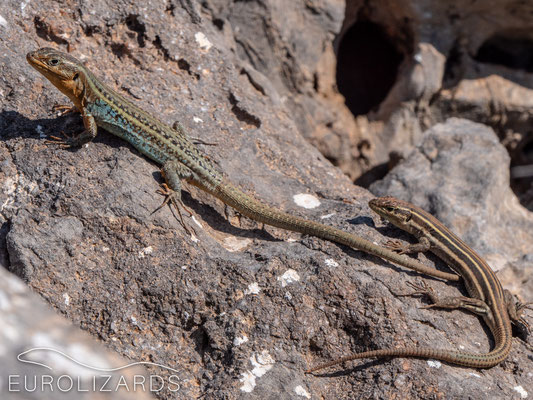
173 198
64 142
64 109
420 288
396 246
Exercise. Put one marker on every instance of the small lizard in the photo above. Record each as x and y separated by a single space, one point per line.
101 106
487 297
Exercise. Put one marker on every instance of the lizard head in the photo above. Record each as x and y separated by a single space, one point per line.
64 71
396 211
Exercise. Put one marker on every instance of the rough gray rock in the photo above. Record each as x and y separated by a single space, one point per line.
460 174
243 310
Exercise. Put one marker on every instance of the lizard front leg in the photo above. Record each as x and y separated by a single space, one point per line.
87 135
422 246
515 309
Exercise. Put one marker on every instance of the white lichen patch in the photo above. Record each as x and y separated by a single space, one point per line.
66 299
523 393
146 251
300 391
288 277
16 187
261 363
253 288
331 263
240 340
23 5
39 130
202 41
306 200
434 363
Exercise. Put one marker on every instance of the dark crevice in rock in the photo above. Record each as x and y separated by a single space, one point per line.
257 86
241 113
92 30
4 254
170 8
158 45
373 174
367 66
522 169
219 23
121 50
201 338
135 25
527 150
513 49
184 65
48 32
453 66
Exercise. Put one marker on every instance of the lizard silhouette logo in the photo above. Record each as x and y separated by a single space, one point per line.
86 376
19 357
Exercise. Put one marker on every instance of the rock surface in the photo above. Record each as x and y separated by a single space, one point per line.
241 310
42 354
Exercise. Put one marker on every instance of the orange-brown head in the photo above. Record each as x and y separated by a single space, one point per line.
64 71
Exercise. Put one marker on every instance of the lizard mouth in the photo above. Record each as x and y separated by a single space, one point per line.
35 62
39 62
32 59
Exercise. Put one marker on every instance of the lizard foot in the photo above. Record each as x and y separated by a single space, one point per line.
173 198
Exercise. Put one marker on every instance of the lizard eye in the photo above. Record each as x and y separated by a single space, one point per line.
54 61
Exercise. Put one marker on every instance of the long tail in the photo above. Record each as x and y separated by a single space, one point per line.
258 211
472 360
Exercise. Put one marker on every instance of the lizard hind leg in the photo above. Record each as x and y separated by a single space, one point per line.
476 306
174 172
